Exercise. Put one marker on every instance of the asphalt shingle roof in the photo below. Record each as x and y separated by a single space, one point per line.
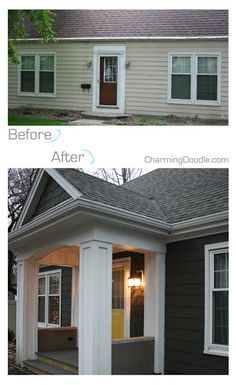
185 193
99 190
170 195
138 23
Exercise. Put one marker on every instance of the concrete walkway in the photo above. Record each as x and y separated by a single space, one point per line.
88 122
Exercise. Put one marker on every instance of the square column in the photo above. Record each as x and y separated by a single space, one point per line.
95 308
154 305
27 311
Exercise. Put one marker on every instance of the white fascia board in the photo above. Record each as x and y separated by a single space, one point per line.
115 38
64 183
30 197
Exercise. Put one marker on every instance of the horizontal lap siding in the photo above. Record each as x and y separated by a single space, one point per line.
146 78
184 311
71 72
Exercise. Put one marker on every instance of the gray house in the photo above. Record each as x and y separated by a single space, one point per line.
150 62
128 279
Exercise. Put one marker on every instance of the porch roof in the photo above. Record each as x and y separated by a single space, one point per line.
134 23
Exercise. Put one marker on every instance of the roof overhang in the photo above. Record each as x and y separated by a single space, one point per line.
81 210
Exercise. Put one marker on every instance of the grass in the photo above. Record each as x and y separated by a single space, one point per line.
30 121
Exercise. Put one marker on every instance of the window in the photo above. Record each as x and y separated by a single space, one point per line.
216 299
49 298
194 78
110 69
37 75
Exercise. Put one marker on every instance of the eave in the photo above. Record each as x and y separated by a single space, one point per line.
125 38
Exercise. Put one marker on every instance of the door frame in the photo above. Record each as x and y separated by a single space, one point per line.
109 50
126 264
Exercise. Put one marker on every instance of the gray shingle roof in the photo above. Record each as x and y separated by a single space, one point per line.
138 23
171 195
99 190
185 193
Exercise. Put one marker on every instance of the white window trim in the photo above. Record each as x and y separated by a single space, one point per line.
193 100
36 71
46 324
209 347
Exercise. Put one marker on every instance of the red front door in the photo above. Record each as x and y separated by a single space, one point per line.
108 80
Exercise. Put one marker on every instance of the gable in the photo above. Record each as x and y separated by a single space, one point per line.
52 195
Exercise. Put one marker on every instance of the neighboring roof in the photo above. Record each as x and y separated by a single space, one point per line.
185 193
133 23
99 190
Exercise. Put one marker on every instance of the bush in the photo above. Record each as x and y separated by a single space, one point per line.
11 336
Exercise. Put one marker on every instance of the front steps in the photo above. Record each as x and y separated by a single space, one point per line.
58 362
103 115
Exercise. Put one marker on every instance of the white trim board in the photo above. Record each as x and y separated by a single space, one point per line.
109 50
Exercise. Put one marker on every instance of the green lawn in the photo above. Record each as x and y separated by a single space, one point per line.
29 121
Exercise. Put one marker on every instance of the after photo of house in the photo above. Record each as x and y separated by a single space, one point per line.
118 67
119 271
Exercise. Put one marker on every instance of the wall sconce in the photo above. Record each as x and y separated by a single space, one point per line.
128 64
89 63
136 279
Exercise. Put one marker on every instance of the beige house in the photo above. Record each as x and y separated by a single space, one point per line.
150 62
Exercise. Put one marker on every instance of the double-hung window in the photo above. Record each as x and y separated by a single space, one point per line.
36 75
194 78
49 298
216 298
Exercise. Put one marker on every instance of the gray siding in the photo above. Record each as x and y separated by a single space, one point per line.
146 79
66 286
52 195
184 309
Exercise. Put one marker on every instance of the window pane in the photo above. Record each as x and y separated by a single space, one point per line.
46 63
46 82
206 87
53 310
181 87
118 289
221 270
28 63
220 317
181 65
110 69
27 81
42 285
41 309
54 284
207 65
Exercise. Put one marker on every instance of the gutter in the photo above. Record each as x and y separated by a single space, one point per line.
116 38
71 208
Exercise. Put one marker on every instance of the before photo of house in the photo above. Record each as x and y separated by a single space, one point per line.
123 279
123 66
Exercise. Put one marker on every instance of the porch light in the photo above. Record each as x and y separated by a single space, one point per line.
136 279
89 63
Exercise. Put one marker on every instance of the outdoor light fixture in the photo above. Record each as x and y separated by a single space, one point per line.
89 63
136 279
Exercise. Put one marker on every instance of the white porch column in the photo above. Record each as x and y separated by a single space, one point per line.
27 311
95 290
154 305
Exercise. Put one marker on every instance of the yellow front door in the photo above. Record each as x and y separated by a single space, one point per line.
118 302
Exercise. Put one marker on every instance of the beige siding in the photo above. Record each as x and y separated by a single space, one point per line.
146 80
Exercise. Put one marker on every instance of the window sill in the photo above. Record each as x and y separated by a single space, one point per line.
217 350
36 95
196 103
